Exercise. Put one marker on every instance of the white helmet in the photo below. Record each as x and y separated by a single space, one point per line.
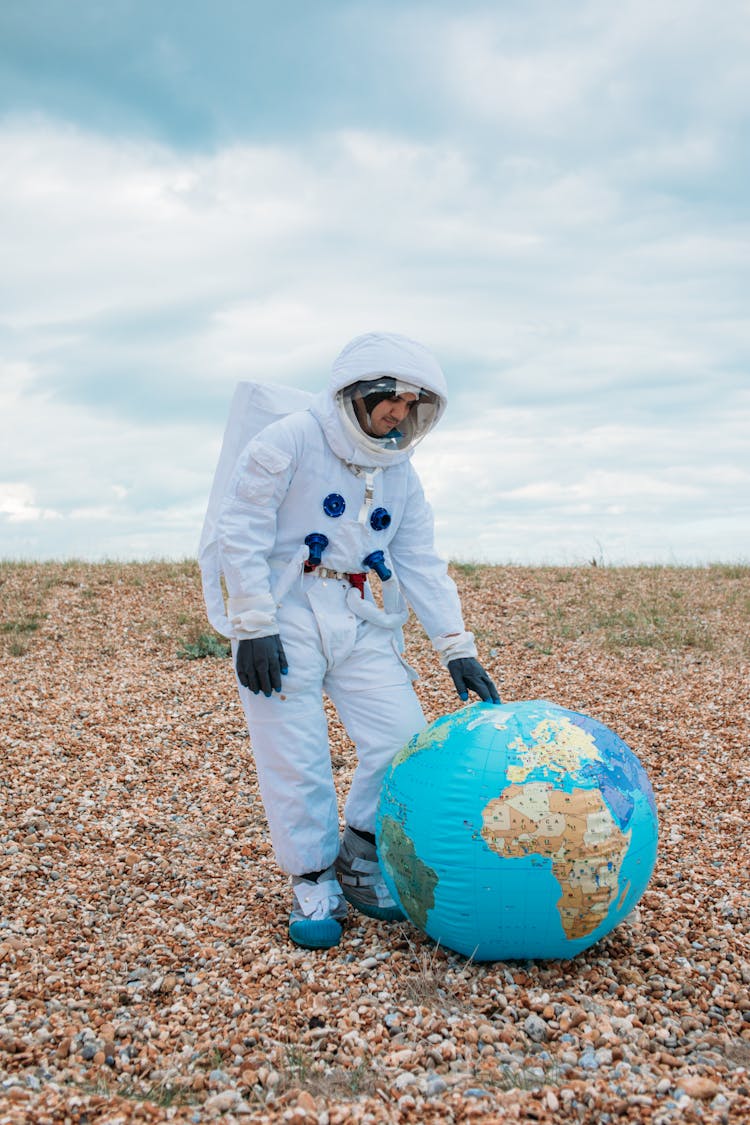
357 401
382 366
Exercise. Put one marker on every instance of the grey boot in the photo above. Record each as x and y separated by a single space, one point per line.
362 880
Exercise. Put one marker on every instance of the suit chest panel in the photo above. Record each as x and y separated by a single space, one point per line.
326 494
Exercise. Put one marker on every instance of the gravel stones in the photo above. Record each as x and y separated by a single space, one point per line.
145 972
535 1028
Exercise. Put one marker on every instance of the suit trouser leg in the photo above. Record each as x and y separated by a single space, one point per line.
289 740
373 695
371 690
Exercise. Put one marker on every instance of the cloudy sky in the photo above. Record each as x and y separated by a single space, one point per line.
553 197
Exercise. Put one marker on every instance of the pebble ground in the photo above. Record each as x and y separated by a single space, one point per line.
145 971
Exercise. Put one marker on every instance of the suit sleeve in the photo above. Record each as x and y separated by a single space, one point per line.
424 578
247 530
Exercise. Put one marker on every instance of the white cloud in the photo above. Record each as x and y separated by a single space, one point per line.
595 72
533 87
18 504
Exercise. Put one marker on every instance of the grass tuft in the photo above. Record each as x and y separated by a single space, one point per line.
429 982
162 1094
465 568
300 1070
24 625
207 645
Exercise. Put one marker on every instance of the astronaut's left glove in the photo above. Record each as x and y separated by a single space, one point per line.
469 675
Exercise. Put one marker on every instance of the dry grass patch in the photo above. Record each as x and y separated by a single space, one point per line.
659 608
300 1070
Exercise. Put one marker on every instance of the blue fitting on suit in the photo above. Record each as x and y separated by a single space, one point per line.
376 561
334 504
317 542
380 519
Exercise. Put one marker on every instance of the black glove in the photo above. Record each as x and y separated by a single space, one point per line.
261 663
469 675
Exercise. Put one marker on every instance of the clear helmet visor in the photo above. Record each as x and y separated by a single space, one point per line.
387 413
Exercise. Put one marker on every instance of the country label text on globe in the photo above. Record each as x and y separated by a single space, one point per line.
517 831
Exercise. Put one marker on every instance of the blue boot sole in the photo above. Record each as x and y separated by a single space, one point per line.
310 934
382 913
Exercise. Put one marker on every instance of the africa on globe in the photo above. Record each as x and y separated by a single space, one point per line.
518 831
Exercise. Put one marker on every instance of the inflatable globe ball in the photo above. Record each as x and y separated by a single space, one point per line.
516 831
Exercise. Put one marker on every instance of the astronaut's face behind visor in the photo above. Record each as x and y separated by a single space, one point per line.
385 413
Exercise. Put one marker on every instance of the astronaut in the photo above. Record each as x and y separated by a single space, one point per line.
320 503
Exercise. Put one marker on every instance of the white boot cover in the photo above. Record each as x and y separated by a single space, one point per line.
318 909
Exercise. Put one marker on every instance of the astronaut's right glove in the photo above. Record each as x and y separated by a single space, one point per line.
261 663
469 675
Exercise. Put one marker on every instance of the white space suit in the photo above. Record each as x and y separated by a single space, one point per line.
313 471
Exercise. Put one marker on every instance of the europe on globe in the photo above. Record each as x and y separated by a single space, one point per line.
518 831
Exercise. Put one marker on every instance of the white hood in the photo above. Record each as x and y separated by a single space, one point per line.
366 357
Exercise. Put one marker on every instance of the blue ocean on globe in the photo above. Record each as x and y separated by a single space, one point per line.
518 831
